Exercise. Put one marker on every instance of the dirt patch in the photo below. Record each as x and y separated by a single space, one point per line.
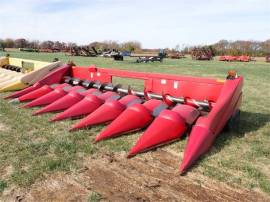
154 177
56 187
148 177
6 171
3 127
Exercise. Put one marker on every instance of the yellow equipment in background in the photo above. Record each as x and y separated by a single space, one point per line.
16 73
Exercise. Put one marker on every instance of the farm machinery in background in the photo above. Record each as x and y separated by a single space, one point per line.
267 58
159 58
202 53
29 49
169 106
176 55
147 59
230 58
83 51
115 54
42 50
92 52
50 50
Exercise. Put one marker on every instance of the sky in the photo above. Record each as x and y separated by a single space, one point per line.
154 23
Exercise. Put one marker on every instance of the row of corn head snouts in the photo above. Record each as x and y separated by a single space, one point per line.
167 118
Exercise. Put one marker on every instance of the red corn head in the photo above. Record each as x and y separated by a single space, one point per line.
39 92
36 93
24 91
52 96
133 118
87 105
169 126
199 142
107 112
65 102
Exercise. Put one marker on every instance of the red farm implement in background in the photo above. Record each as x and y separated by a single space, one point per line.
230 58
267 58
244 58
169 107
202 53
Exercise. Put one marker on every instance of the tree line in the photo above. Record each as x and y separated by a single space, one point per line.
236 48
222 47
105 45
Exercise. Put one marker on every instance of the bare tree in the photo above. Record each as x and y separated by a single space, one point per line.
47 44
21 43
9 43
131 46
34 44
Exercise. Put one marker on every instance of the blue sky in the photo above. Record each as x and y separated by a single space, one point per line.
155 23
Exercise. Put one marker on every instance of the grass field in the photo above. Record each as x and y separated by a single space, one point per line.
31 147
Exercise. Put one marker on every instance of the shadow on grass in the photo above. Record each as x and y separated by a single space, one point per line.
249 122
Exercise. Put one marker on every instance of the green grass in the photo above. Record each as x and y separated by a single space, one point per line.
33 147
94 197
3 185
